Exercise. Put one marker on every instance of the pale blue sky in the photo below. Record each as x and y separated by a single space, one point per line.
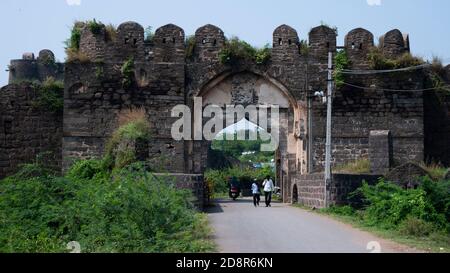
31 25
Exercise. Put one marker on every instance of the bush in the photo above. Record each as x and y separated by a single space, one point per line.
344 210
388 205
86 169
378 61
341 62
50 95
416 227
127 71
121 148
73 42
438 195
131 211
236 51
95 27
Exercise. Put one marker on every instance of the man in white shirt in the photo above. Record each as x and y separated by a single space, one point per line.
268 189
256 193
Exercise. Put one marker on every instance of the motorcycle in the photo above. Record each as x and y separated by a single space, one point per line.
234 193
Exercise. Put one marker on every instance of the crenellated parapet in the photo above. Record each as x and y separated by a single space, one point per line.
285 43
394 43
169 44
358 44
322 39
209 41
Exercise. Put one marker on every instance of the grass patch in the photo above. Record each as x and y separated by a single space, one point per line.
361 166
435 170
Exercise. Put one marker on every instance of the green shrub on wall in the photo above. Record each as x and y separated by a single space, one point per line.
378 61
127 71
236 51
121 147
50 96
341 62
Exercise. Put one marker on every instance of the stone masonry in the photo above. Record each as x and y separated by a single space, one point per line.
164 77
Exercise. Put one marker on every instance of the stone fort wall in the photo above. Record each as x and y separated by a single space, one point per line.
163 78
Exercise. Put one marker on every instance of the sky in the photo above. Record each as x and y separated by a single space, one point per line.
30 25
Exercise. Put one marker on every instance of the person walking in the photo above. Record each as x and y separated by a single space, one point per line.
268 189
256 193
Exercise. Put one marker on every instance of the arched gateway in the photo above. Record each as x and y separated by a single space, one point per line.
252 91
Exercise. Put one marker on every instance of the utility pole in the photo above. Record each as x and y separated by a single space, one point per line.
328 133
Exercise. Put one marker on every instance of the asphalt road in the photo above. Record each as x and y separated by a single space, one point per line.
241 228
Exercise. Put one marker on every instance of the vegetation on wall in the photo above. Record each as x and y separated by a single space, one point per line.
110 33
134 128
73 44
341 62
361 166
50 95
436 75
127 71
236 51
334 28
378 61
95 27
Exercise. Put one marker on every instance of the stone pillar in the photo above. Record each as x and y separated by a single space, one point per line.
380 151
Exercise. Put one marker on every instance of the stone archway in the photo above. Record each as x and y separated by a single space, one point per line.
250 88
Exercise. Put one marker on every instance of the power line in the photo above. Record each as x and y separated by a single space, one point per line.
369 72
396 90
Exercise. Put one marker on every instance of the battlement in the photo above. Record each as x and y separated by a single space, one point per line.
168 44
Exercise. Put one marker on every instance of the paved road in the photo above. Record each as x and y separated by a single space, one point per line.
241 228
